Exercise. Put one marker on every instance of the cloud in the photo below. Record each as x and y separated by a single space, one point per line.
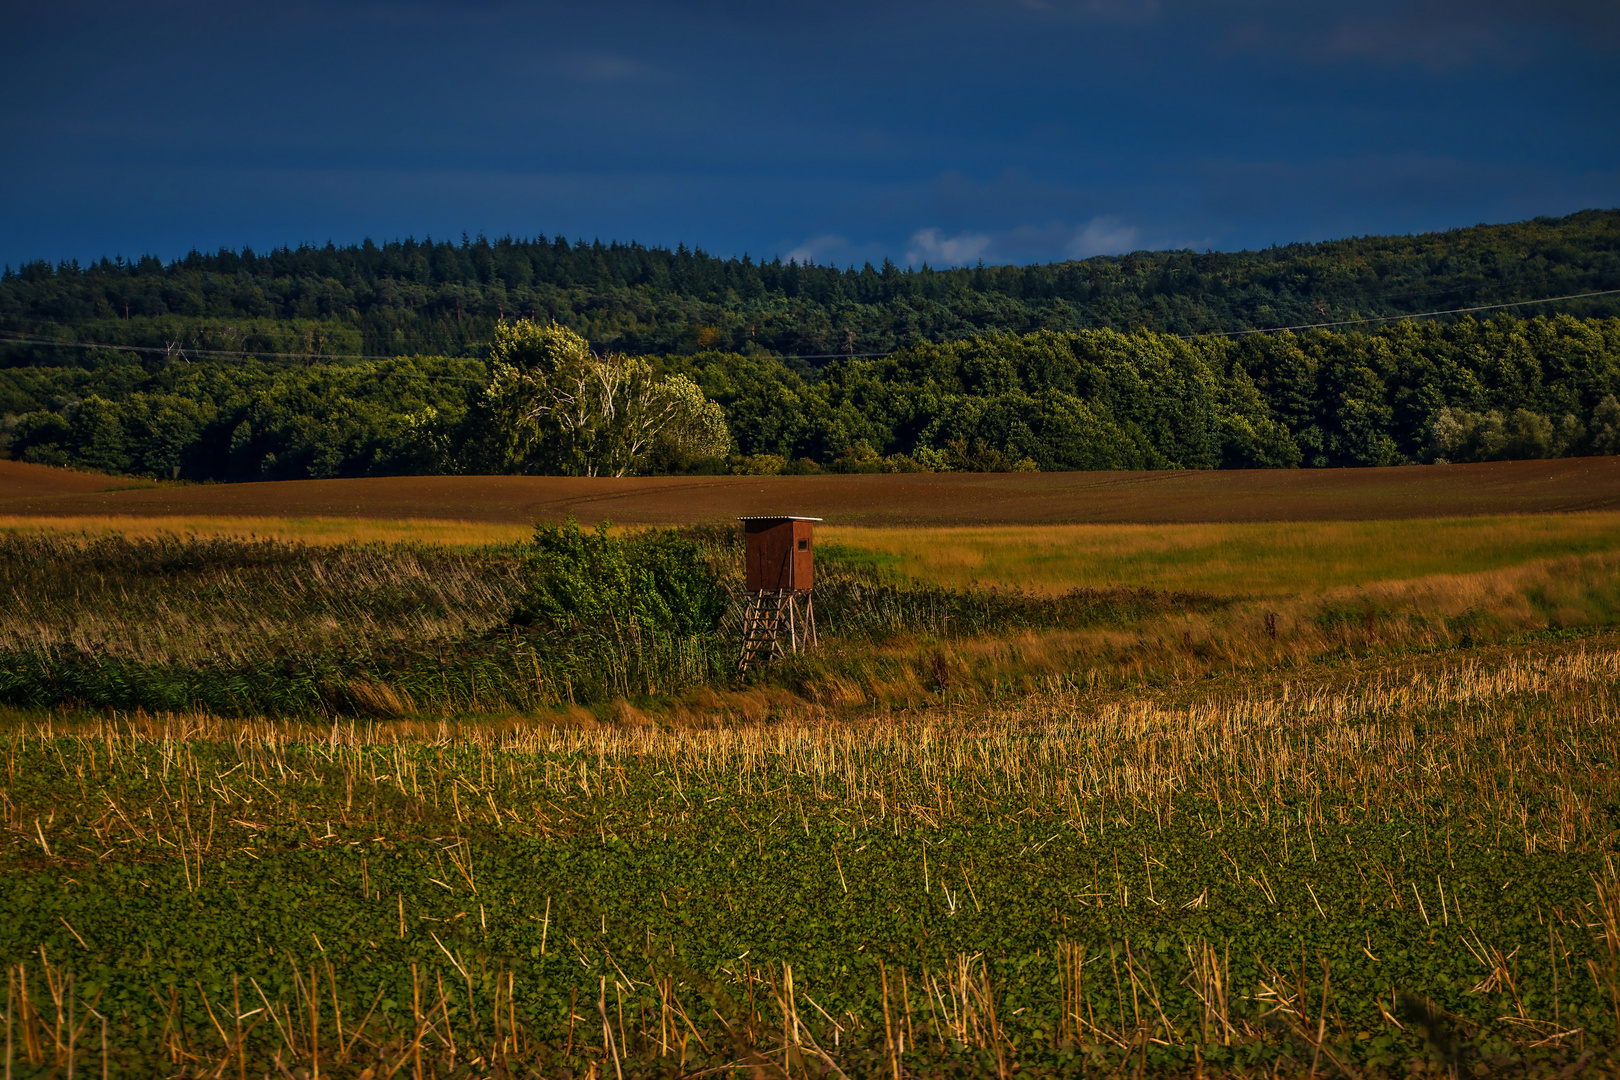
1103 236
816 248
936 249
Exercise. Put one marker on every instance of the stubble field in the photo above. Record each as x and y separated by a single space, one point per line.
1328 796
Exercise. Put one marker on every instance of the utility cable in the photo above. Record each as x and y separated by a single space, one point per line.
9 337
1397 318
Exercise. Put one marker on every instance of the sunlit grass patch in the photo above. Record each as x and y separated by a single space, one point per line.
313 530
1249 559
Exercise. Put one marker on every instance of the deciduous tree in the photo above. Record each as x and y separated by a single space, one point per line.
566 409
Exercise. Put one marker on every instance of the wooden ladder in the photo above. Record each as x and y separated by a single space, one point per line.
762 628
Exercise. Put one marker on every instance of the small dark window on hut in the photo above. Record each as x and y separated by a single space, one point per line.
804 545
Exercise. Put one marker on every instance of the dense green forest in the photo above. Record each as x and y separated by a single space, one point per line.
1091 399
382 356
439 298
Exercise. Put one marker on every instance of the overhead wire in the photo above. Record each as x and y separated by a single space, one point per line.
1397 318
178 353
1301 326
14 338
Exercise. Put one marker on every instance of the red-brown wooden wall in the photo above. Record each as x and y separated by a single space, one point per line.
779 555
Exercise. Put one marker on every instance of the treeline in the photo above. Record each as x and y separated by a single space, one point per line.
1412 392
1095 399
440 298
244 420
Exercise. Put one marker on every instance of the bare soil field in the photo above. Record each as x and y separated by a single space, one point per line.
19 480
1419 491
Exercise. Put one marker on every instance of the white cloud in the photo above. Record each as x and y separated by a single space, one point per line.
1103 236
817 248
936 249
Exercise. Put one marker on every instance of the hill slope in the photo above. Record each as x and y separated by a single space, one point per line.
443 298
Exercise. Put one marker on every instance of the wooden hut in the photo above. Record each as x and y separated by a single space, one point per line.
780 562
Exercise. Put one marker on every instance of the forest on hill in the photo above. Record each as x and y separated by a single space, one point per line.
438 298
1090 399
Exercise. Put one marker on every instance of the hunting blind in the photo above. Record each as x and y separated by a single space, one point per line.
780 573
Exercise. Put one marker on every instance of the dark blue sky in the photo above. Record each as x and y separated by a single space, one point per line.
946 132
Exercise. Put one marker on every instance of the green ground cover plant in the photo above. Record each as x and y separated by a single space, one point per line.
1370 868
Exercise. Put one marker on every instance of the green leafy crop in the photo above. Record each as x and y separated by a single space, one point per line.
1381 870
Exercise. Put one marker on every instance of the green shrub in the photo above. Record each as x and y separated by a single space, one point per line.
657 582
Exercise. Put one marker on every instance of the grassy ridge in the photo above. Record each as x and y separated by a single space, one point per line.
1318 871
308 530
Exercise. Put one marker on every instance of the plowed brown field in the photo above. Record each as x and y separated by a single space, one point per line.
1515 487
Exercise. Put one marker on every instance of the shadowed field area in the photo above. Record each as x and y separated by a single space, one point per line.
1417 491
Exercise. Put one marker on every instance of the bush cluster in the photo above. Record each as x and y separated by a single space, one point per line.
655 582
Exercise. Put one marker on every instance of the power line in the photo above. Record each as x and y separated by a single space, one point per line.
1302 326
10 338
1396 318
836 355
181 353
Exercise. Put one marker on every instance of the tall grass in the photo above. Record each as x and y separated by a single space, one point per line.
278 628
170 600
266 626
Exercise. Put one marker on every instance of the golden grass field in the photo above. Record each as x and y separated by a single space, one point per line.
1227 558
1220 558
310 530
1254 534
